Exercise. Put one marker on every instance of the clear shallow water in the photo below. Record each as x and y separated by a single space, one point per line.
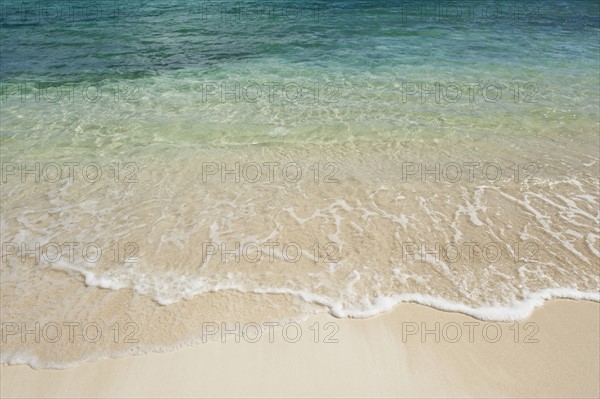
169 92
165 54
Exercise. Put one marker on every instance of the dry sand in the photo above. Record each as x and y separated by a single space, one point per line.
370 360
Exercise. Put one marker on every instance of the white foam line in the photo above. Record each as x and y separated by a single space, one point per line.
517 310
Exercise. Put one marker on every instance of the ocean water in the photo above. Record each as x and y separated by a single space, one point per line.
170 163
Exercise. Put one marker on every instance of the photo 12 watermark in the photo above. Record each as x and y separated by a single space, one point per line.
70 252
69 332
475 171
269 251
289 93
269 172
61 12
482 12
270 331
282 12
467 252
469 92
469 332
60 93
69 172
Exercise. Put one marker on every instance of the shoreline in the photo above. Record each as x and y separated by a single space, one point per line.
391 355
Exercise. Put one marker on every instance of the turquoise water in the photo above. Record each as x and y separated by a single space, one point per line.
155 61
132 40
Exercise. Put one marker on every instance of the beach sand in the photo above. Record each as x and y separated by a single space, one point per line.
370 359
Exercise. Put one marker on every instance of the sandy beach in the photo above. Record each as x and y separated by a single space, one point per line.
349 199
555 355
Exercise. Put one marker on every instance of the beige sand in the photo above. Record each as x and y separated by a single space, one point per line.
370 360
